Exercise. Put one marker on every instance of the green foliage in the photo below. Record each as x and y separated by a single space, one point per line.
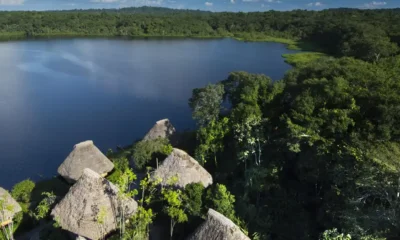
334 235
139 224
138 227
22 191
296 59
43 209
174 206
220 199
124 183
211 139
147 150
101 215
192 198
120 166
206 103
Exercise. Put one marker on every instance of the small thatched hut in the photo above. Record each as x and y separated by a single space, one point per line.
188 170
218 227
8 208
92 207
84 155
162 129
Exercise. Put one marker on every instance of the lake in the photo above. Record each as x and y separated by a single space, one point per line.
56 93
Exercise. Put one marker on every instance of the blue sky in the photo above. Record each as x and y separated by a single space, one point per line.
212 5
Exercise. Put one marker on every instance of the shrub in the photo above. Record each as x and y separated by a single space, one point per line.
22 191
147 150
193 198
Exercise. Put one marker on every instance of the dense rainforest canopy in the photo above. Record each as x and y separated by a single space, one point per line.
315 155
364 34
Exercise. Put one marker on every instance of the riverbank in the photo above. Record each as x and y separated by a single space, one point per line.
292 44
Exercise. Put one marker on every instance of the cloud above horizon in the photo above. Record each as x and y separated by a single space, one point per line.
375 4
315 4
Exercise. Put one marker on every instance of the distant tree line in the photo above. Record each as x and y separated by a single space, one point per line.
364 34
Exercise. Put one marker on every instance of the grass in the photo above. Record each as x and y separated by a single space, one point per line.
296 59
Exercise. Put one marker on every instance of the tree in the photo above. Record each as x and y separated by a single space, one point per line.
43 208
125 191
220 199
211 139
139 225
206 103
147 150
174 207
192 198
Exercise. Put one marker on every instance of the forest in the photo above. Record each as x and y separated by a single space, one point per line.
363 34
315 155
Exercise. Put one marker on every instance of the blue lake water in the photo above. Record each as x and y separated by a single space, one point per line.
56 93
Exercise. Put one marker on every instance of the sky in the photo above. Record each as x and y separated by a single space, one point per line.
210 5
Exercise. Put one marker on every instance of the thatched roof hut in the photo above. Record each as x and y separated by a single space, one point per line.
218 227
92 207
84 155
8 207
182 165
162 129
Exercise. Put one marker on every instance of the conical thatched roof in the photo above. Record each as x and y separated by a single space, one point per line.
218 227
84 155
92 206
188 170
162 129
8 207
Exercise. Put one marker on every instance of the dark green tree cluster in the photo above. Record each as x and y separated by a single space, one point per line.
317 150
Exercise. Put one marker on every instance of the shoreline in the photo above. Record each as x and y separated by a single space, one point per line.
291 44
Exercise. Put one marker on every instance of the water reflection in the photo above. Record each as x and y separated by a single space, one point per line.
55 93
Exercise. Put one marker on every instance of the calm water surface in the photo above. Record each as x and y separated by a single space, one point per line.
55 93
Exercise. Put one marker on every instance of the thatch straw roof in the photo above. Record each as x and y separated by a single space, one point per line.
218 227
162 129
182 165
92 207
8 207
84 155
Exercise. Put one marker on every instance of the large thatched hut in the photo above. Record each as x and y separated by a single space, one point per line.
182 165
162 129
84 155
8 207
92 207
218 227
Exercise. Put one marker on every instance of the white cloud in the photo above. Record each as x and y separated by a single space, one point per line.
315 4
264 6
250 0
12 2
378 3
208 4
374 4
273 1
233 1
